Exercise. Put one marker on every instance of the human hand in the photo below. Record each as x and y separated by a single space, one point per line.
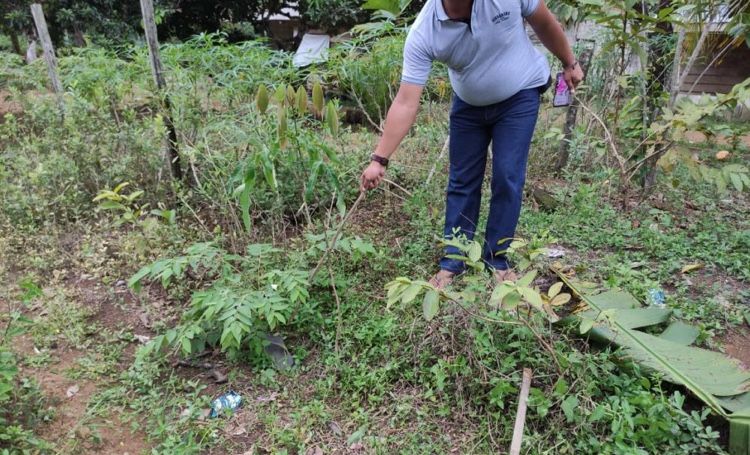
372 176
573 76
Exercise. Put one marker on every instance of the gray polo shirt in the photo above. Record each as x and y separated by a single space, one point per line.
488 61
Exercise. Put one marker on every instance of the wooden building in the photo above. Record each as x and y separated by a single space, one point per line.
727 71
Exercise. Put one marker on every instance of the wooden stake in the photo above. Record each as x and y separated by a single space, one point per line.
49 52
149 26
523 398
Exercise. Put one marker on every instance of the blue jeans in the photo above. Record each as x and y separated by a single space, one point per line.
509 125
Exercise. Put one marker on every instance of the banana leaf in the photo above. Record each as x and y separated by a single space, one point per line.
712 377
681 333
739 432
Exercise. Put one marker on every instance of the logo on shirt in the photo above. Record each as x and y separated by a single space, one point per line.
501 17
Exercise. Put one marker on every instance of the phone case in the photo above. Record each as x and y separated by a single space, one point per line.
562 92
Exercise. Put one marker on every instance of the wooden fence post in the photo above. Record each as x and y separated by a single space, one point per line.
49 53
149 26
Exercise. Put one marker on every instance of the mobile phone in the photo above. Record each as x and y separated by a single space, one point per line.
562 95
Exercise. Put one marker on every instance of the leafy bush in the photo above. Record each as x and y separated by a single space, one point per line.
21 400
368 72
249 296
332 15
67 163
113 133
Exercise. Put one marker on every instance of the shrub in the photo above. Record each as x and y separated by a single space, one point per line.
332 15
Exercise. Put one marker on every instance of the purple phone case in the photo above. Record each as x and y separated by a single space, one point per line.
562 95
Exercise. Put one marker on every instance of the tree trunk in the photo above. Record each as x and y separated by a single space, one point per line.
657 80
49 54
571 115
14 42
78 39
149 25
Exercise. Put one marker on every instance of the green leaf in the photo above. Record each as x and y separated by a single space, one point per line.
569 407
291 95
633 318
681 333
411 293
112 205
511 300
526 280
554 290
736 181
332 118
706 374
317 98
280 94
475 252
586 325
312 179
301 100
499 293
597 414
135 281
119 187
269 172
392 6
611 300
186 345
431 304
357 435
394 290
560 299
261 99
281 128
533 297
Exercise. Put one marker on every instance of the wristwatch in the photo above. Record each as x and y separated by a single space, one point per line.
571 66
379 159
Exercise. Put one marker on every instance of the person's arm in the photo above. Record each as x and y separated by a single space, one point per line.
400 118
551 34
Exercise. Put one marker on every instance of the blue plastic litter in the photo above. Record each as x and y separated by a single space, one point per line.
230 400
656 298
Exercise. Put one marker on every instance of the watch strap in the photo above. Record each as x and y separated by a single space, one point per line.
379 159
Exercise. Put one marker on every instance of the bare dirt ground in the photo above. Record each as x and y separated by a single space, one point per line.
7 106
737 345
74 428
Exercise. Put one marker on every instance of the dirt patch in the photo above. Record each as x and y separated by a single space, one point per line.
381 218
72 427
737 345
75 428
103 301
8 106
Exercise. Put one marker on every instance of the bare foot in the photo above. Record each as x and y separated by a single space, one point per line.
442 279
505 275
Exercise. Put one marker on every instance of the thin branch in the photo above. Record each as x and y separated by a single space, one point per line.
715 59
608 137
367 116
439 159
408 193
338 311
336 236
544 344
694 55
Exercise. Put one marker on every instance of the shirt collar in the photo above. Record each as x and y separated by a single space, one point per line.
440 11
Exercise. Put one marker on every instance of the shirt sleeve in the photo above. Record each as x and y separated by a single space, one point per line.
528 7
417 61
